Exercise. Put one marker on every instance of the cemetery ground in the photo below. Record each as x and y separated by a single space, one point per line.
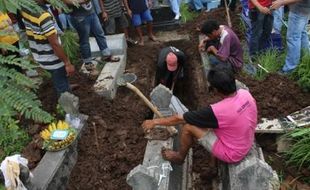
115 124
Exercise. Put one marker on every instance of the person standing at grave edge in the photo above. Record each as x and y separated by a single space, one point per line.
85 21
261 25
175 7
140 12
296 37
45 47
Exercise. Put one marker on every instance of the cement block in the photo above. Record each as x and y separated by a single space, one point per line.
140 178
155 168
106 83
161 96
69 102
54 169
251 173
116 43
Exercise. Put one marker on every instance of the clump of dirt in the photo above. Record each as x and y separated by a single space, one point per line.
277 96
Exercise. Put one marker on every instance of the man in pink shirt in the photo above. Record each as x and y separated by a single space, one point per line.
226 128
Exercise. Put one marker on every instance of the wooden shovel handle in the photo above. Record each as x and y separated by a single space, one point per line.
146 101
171 129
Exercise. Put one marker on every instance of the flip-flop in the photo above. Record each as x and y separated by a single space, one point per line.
111 59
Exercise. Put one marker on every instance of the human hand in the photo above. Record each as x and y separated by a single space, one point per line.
147 125
104 16
211 49
150 4
129 12
276 4
69 69
202 45
264 10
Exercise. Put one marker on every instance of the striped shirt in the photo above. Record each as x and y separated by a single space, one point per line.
39 26
113 8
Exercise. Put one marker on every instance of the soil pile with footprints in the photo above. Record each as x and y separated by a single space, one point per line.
121 142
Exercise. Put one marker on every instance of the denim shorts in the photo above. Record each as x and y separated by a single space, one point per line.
208 140
146 16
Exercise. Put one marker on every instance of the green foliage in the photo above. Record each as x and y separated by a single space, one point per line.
12 138
60 111
302 72
299 153
70 45
2 187
269 62
31 5
186 14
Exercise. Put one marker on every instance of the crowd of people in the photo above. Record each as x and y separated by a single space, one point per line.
225 128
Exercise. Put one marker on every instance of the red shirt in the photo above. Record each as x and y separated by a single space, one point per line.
264 3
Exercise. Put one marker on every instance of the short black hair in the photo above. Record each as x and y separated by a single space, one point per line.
209 26
222 78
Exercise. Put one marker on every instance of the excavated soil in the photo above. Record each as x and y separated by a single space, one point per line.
121 144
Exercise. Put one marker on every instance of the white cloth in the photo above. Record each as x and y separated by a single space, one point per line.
10 169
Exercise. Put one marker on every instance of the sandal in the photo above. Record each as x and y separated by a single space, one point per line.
111 59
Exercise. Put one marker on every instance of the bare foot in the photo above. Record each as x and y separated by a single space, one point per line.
141 43
153 38
172 156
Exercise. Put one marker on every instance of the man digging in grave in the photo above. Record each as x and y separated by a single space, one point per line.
222 44
169 66
226 128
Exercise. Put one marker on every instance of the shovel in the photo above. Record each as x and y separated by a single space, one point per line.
126 81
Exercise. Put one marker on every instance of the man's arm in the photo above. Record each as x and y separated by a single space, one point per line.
166 121
261 8
278 3
104 13
59 52
127 7
202 44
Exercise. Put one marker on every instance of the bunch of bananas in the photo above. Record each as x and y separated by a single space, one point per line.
46 133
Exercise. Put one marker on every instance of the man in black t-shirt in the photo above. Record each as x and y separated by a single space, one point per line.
169 66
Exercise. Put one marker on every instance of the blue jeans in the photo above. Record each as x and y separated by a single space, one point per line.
215 61
199 4
277 19
175 6
60 80
65 21
297 39
85 25
261 27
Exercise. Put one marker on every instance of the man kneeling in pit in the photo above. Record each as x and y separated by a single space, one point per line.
226 128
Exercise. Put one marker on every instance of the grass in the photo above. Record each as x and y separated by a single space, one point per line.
302 72
269 62
186 14
299 152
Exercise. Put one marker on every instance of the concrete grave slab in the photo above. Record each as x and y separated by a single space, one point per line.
176 177
164 36
116 43
106 85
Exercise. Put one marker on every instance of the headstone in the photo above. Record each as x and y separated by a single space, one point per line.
140 178
161 97
70 103
252 173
